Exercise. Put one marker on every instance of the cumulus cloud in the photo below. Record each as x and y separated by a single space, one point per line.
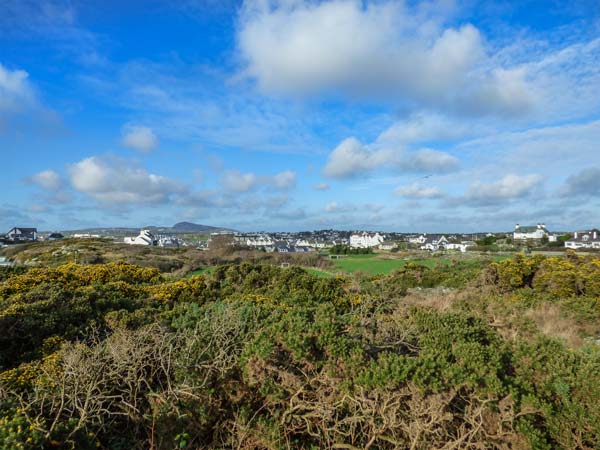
284 180
584 183
236 181
118 182
334 207
351 158
428 160
16 93
47 179
20 107
375 48
139 138
511 186
415 191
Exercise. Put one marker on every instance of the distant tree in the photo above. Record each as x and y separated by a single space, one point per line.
488 240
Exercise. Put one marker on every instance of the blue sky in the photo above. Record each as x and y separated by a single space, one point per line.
291 115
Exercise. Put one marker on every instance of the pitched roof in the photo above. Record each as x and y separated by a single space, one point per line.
586 236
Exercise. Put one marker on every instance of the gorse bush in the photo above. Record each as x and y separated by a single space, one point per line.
560 277
252 356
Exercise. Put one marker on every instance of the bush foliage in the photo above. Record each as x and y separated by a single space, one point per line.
253 356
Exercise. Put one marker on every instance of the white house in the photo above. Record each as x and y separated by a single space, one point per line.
144 238
418 240
532 233
388 245
20 234
434 242
462 246
365 240
584 239
260 240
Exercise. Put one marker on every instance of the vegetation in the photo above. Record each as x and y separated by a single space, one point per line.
453 354
346 250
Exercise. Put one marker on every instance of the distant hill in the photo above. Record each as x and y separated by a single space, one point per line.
189 227
178 228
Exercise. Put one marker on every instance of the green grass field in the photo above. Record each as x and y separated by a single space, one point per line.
375 264
203 270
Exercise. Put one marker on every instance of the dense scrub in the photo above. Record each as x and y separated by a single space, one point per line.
252 356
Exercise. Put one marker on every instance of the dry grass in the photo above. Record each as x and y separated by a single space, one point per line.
552 321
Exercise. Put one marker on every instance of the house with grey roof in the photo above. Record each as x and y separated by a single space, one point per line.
433 242
584 239
20 234
532 233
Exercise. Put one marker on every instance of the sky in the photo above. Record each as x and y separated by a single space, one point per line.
287 115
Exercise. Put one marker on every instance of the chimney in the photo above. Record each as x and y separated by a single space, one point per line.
595 235
575 235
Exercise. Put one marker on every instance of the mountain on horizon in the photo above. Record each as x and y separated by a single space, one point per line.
189 227
180 227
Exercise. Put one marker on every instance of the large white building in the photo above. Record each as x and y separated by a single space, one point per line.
584 239
144 238
532 233
365 240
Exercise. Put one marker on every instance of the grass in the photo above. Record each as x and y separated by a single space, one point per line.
375 264
371 264
203 270
319 273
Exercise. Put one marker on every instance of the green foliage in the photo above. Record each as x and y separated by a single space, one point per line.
255 356
340 249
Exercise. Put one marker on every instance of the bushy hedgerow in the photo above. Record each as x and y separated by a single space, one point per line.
254 356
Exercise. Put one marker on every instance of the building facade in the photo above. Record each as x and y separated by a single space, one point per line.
365 240
584 239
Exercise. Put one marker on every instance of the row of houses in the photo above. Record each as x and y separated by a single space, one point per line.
283 242
585 239
435 242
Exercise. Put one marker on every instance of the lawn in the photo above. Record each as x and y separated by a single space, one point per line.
375 264
203 270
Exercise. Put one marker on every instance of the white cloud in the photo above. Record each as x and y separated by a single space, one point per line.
352 158
235 181
423 127
47 179
416 191
16 93
284 180
428 160
117 182
139 138
334 207
375 48
511 186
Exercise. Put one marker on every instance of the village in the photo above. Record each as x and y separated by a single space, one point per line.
522 237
